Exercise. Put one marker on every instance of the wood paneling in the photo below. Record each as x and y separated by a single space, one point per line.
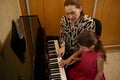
50 12
23 7
54 9
108 12
88 6
53 12
37 8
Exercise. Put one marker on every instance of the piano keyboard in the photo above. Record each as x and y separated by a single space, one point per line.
56 72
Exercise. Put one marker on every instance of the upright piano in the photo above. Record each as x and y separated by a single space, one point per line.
36 44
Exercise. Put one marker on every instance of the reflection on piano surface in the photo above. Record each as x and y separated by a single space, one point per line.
36 45
35 37
56 72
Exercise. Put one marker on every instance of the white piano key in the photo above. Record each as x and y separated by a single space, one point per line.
62 70
54 63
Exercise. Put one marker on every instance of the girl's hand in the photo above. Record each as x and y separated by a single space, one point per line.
69 61
64 63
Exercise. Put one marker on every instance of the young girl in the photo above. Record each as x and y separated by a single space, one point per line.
91 65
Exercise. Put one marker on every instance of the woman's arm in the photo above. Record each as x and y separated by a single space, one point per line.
61 50
76 54
100 66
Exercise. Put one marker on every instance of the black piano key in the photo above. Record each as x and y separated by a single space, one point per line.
52 56
51 45
52 71
51 51
53 66
51 48
55 77
53 60
50 42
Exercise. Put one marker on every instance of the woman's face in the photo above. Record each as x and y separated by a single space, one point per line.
72 12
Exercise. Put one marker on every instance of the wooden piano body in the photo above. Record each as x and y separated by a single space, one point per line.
38 48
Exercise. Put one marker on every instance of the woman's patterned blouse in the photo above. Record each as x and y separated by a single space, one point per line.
69 31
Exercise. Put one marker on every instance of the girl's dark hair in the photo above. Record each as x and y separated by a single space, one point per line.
88 38
76 3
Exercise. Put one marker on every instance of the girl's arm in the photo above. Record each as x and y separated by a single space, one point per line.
72 59
100 66
76 54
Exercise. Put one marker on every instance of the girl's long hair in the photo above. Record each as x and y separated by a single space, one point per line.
88 38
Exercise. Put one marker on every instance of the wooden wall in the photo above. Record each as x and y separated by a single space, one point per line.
107 11
50 12
10 66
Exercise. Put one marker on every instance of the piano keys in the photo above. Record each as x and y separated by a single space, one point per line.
56 72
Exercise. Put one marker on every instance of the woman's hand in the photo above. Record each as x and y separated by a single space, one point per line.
61 51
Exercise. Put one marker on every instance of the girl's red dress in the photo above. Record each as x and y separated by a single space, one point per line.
86 68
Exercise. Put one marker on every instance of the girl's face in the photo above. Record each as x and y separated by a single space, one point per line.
72 12
84 48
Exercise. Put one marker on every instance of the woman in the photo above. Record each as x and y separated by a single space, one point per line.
73 23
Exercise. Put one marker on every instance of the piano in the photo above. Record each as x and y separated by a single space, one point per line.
56 72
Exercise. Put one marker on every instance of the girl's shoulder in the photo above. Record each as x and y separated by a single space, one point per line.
99 54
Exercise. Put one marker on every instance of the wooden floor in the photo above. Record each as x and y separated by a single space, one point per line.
112 65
